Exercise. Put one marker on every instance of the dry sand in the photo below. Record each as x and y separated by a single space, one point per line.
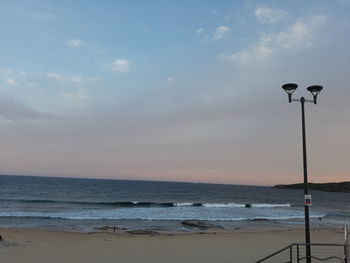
41 246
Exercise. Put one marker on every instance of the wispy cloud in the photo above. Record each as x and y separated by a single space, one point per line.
299 35
76 79
11 82
121 65
36 14
75 43
55 76
301 32
77 98
32 85
6 71
269 15
199 30
170 79
221 32
146 29
15 110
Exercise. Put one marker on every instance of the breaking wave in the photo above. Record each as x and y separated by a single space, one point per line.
149 204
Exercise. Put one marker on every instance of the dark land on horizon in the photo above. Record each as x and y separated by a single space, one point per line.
328 187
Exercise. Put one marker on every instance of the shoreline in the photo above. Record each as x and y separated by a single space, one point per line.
198 227
171 232
33 245
170 226
86 225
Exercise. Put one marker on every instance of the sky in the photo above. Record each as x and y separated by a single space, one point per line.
186 90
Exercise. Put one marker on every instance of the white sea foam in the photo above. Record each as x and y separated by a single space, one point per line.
270 205
232 205
184 204
168 213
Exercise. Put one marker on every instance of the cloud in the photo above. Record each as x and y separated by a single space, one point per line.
300 35
170 79
75 43
221 32
55 76
268 15
11 82
76 79
14 110
145 29
10 75
6 71
93 79
77 98
301 32
199 30
121 65
22 73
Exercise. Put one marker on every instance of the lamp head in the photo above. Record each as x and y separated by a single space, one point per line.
289 88
315 90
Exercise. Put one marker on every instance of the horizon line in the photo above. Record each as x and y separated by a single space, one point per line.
122 179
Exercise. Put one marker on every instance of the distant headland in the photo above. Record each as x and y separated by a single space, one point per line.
329 187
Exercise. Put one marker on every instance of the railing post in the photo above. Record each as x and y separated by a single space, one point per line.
298 253
345 254
301 257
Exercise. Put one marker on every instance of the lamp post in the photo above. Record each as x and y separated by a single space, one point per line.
315 90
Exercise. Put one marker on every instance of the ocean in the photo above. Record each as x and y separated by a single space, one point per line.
84 204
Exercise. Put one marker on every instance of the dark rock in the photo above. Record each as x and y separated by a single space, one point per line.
199 224
258 219
102 228
143 232
106 228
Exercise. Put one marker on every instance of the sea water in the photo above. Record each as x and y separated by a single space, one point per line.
83 204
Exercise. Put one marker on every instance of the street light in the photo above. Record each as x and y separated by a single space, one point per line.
315 90
290 88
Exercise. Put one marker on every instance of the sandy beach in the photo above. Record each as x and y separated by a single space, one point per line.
36 246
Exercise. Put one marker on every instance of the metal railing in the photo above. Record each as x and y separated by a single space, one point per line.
296 253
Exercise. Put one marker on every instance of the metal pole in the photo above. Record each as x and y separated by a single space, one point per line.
346 256
307 219
346 246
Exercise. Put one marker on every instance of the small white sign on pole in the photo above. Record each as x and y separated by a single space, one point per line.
308 200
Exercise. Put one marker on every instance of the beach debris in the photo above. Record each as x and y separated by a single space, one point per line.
199 224
143 232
